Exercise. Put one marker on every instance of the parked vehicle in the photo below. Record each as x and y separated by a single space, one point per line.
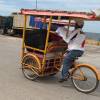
18 23
6 23
13 25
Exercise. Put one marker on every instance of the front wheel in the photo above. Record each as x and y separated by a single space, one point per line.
85 79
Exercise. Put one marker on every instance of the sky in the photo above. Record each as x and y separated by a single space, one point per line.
9 6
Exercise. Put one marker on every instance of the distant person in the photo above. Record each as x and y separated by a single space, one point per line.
76 41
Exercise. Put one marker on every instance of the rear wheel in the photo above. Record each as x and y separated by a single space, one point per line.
30 67
85 79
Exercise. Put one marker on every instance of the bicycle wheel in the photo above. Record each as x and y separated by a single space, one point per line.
85 79
30 67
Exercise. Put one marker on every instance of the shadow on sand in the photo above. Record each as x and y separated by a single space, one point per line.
67 84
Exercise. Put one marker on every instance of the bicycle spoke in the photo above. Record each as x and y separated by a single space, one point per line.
85 79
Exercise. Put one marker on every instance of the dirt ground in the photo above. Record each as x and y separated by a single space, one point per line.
14 86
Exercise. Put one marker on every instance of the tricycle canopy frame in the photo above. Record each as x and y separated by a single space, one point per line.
51 15
83 15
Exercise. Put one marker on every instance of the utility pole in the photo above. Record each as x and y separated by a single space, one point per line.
36 4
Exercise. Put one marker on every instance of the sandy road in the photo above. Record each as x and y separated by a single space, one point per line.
13 85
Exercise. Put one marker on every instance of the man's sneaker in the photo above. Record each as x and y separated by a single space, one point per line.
64 79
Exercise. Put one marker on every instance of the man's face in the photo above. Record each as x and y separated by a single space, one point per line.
80 23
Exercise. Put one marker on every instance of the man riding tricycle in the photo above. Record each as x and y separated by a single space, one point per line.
44 47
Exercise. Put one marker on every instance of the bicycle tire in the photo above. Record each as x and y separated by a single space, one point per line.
29 73
81 89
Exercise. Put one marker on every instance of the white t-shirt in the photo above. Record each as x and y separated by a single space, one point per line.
76 43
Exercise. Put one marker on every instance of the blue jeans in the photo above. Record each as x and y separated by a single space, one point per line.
68 61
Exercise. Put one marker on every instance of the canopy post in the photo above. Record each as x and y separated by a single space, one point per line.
24 29
59 18
46 43
68 27
44 21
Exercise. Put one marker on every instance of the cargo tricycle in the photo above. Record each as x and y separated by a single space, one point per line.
43 50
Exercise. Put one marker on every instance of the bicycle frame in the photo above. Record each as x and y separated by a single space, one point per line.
76 66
